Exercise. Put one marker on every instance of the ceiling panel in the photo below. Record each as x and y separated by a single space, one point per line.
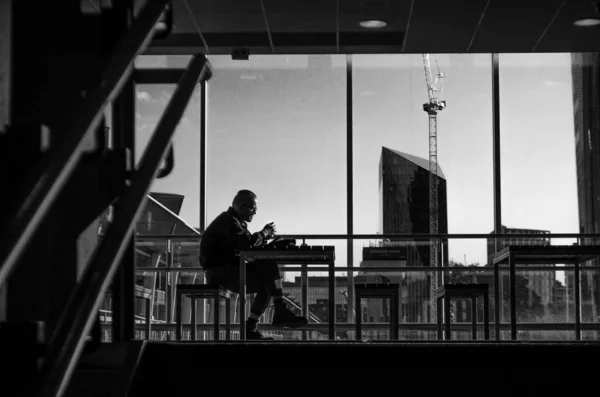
564 36
394 13
436 26
300 16
228 16
440 26
514 26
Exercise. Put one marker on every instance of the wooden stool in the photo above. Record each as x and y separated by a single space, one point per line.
384 291
203 291
472 291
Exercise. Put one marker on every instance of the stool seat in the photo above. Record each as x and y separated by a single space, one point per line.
204 291
385 291
469 291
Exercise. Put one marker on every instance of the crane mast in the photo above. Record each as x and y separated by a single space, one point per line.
432 107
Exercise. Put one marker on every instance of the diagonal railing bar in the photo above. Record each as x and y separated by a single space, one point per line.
67 342
50 174
310 314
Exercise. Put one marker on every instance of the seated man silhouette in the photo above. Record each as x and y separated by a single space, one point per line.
221 243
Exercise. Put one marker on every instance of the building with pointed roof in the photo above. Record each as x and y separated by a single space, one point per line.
404 200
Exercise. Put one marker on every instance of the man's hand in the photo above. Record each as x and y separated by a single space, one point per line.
269 230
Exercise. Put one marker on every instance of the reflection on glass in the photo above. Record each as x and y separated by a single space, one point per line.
585 72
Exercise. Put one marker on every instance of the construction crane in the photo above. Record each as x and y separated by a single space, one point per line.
432 107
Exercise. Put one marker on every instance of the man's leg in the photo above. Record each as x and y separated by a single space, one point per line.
228 277
268 273
259 280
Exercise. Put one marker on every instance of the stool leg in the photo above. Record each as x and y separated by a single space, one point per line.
178 298
447 315
439 317
358 316
194 333
148 318
486 317
217 317
227 318
394 315
474 317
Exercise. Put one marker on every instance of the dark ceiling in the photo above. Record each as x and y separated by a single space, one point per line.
414 26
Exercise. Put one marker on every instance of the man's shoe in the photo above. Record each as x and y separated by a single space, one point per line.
252 333
284 318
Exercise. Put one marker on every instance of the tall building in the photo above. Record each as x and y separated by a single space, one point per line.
404 200
585 71
404 209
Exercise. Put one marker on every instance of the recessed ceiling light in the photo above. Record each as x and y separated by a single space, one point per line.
373 24
587 22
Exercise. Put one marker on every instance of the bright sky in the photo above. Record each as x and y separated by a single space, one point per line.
277 126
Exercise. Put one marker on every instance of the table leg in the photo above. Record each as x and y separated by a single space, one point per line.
228 318
439 318
358 331
474 317
513 297
178 299
447 319
486 317
304 295
216 316
194 333
331 300
497 303
577 302
242 297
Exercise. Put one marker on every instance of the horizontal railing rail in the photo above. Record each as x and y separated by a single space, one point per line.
394 236
388 269
351 326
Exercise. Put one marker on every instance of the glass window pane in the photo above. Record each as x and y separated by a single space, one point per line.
392 147
277 127
184 179
539 178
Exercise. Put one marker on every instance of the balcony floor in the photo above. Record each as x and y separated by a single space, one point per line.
506 364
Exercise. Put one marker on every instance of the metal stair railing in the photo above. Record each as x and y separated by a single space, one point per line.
67 342
54 169
310 315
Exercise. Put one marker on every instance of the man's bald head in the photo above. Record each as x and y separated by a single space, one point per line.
244 197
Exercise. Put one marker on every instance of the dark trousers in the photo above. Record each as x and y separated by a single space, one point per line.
260 280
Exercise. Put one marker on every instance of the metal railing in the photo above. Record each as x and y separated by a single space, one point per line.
525 325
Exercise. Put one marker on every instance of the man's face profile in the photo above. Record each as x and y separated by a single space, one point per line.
247 208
